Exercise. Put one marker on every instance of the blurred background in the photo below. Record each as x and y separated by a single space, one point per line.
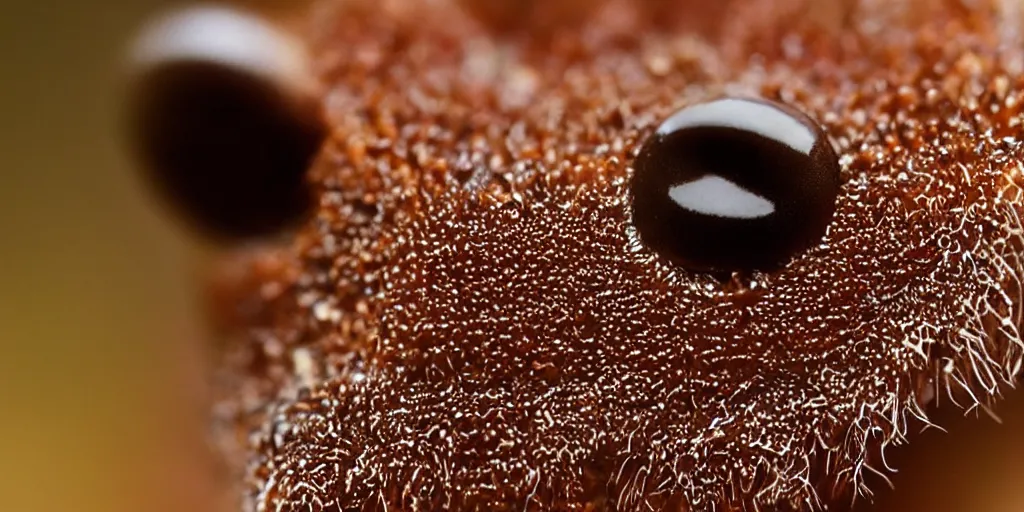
101 353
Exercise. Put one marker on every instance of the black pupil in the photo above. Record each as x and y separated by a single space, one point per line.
727 191
225 146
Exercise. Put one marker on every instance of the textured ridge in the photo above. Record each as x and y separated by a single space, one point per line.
469 322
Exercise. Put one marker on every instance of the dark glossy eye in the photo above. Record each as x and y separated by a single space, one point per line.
734 184
224 120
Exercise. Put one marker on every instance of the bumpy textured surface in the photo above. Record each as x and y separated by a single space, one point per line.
469 321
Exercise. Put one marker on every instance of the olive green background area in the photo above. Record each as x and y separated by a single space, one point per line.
101 344
101 354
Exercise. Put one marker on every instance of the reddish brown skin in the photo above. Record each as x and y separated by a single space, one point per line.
468 320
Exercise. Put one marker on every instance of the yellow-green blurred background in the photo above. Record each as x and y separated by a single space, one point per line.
101 356
101 360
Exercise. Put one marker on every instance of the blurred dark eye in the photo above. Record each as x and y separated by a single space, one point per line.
224 120
734 184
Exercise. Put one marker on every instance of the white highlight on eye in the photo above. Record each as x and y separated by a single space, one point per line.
226 36
717 196
748 115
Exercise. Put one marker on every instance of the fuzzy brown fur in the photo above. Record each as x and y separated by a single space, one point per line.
469 321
